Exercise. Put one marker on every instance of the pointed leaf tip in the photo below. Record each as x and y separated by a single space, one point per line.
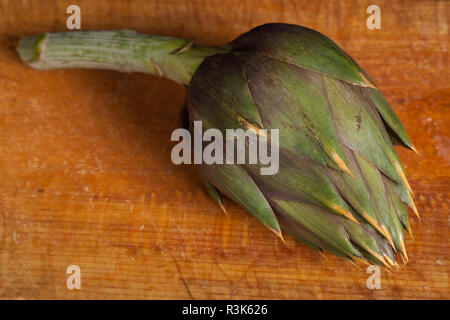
413 148
278 233
388 237
235 182
367 82
402 176
414 208
344 212
341 163
379 257
390 119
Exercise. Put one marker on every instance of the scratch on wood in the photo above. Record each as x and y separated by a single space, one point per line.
181 278
234 288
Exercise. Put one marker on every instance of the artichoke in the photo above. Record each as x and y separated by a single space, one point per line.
340 186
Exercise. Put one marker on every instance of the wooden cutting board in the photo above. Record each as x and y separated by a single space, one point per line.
86 177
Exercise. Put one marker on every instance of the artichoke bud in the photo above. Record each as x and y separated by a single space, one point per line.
340 186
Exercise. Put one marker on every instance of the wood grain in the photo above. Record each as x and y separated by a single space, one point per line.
86 176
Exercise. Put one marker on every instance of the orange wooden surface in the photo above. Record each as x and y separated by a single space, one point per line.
86 176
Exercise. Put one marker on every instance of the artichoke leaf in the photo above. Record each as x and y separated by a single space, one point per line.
234 182
302 47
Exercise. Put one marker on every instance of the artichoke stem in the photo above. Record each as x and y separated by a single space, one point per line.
126 51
